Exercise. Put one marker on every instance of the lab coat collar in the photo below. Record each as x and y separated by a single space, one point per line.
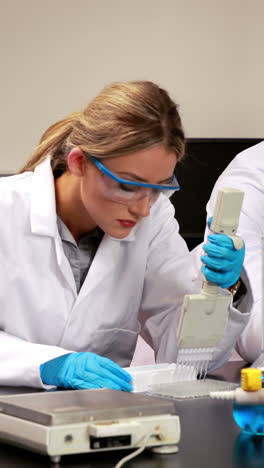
43 215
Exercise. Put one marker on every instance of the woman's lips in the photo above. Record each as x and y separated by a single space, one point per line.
127 223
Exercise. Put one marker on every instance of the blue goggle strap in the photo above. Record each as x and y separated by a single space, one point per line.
107 172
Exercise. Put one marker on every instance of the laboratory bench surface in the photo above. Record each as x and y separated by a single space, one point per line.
209 439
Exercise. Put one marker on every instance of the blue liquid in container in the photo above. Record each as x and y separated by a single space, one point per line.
250 417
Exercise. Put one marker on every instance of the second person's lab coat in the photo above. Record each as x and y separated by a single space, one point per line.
246 172
134 285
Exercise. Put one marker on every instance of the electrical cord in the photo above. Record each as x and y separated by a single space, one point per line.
135 453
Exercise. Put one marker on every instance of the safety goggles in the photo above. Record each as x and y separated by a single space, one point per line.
127 191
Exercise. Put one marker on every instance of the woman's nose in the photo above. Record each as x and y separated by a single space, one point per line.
140 208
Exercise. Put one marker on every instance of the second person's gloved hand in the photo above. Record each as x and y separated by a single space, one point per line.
223 262
84 371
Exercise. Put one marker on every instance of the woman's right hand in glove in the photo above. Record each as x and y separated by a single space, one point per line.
84 371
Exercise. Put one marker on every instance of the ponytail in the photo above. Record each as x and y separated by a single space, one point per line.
53 142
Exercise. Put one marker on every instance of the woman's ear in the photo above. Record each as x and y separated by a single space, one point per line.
77 161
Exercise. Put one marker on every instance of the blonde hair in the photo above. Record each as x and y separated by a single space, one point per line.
124 118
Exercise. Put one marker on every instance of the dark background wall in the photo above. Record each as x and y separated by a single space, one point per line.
197 173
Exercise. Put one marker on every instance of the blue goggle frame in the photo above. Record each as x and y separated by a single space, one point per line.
113 176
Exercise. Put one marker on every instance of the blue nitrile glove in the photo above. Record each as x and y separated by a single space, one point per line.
223 262
85 370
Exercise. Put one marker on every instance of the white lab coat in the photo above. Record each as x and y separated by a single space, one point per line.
134 285
246 172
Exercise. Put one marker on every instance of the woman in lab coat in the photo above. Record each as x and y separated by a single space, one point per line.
246 172
90 250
